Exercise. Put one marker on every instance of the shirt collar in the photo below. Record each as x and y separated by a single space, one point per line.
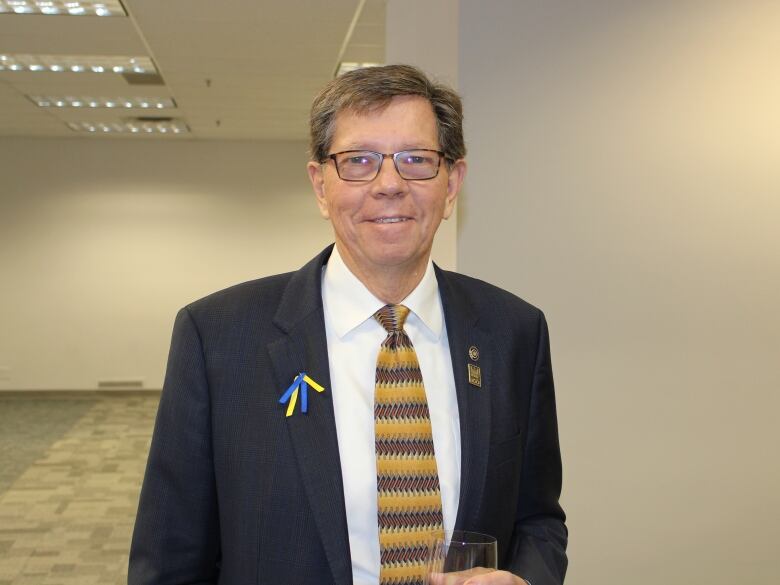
348 302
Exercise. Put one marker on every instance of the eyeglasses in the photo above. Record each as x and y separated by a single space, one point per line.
419 164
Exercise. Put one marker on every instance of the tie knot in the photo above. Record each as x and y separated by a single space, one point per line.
392 317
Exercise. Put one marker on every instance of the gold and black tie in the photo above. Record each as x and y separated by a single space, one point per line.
409 498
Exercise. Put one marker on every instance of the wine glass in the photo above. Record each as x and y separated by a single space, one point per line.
455 556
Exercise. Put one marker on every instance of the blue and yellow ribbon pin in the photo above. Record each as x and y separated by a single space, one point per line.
300 384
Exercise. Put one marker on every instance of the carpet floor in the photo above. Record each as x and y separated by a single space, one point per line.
71 467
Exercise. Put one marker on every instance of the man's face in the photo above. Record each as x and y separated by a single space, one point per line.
387 223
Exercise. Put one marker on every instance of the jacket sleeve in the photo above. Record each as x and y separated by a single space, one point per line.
537 551
176 536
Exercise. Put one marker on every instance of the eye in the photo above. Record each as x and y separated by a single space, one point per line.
357 159
415 159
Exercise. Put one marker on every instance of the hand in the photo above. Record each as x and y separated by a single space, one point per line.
476 576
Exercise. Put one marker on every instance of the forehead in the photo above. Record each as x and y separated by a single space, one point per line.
405 122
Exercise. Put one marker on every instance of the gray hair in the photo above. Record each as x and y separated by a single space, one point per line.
372 88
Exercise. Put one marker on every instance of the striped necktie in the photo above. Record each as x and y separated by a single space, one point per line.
407 481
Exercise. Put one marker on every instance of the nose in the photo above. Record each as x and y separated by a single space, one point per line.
388 182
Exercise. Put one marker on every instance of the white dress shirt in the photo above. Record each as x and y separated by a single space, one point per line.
354 337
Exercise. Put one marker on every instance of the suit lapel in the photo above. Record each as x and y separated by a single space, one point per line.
313 435
473 402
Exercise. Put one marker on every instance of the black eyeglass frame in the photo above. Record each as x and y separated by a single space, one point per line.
392 155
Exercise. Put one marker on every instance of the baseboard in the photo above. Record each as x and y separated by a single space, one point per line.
76 393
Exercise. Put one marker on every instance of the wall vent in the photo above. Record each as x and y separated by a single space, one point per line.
120 384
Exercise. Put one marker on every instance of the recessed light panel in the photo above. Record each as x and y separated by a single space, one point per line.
138 128
63 7
50 101
76 63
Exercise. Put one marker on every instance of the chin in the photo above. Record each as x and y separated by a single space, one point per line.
389 257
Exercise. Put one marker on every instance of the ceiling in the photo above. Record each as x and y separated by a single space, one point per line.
237 69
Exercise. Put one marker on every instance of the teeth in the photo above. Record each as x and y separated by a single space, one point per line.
390 219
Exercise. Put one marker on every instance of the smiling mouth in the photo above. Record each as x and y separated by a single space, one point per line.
390 219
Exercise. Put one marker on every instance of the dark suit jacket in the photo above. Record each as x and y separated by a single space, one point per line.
237 493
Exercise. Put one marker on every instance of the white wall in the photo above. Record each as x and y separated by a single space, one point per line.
101 241
625 176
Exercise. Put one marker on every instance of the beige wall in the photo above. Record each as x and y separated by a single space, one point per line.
625 177
101 241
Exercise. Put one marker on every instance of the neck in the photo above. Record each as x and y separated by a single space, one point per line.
390 284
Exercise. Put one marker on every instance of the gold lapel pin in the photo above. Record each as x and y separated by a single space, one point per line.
475 375
474 353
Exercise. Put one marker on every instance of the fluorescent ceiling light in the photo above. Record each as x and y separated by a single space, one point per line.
77 63
345 66
151 103
66 7
130 127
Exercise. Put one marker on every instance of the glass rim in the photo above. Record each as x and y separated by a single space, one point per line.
441 153
464 537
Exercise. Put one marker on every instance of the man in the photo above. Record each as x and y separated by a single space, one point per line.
426 397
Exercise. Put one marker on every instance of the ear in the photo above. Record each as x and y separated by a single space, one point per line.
455 176
317 177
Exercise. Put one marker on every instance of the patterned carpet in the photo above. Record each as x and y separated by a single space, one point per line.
70 473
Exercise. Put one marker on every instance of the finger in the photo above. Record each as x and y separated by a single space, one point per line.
438 579
495 578
446 579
